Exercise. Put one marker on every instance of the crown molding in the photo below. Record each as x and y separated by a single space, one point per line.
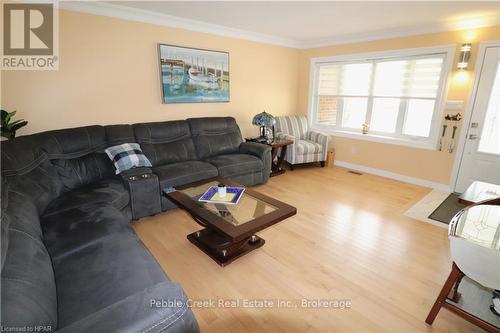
146 16
449 25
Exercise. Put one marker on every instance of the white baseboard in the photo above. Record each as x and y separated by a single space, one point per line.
392 175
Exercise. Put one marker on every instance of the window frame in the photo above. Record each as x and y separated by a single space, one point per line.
405 140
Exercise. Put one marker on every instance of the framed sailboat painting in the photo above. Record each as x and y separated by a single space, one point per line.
190 75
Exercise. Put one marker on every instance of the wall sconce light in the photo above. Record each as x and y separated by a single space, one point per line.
464 57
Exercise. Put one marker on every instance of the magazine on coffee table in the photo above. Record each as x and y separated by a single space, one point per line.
233 195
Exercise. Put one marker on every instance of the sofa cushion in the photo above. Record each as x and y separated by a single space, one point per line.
136 314
295 126
176 174
165 142
72 142
22 213
118 134
109 191
77 154
20 156
83 170
127 156
73 229
103 273
27 283
215 136
236 164
27 170
306 147
4 240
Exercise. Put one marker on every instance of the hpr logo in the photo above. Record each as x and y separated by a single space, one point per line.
28 29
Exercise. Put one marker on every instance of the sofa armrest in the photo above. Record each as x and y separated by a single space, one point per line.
290 149
160 308
257 149
284 136
261 151
136 172
317 137
320 138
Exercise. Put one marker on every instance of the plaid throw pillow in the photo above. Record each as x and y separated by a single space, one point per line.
127 156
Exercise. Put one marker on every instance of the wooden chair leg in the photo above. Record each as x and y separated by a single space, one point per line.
455 274
454 294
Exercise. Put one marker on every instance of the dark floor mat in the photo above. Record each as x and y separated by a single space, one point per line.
447 209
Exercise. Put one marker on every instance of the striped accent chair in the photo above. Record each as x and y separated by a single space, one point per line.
308 146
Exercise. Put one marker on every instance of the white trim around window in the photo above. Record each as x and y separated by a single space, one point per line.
447 52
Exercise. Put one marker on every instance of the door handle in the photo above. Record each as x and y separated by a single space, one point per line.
473 137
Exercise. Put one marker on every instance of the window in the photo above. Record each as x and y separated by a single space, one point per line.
396 93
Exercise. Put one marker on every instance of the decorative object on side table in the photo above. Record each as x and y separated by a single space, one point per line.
10 127
266 122
277 145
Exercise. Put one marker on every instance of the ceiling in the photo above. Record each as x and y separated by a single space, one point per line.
306 24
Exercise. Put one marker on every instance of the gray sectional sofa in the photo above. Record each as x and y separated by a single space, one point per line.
70 261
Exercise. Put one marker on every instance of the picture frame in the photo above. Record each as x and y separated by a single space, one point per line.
193 75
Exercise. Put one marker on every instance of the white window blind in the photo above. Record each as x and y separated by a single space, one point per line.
408 78
395 96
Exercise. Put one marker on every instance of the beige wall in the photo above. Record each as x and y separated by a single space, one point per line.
429 165
109 74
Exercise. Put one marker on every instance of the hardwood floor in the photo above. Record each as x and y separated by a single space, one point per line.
349 240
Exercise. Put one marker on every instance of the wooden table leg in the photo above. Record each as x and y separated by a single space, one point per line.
277 167
455 274
454 294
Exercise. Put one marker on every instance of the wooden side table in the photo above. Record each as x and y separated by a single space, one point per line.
475 249
276 166
479 191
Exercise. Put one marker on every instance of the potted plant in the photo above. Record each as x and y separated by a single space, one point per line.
10 126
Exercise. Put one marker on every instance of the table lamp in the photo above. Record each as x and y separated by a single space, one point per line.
265 121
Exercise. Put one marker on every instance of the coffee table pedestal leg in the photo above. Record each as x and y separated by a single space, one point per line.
221 249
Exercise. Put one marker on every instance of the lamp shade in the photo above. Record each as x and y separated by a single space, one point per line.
264 119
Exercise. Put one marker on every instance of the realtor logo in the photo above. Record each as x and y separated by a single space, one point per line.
29 36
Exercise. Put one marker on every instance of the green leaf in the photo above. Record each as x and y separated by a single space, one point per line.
15 122
5 115
18 126
8 128
10 115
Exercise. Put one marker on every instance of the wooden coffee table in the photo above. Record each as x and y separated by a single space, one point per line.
229 230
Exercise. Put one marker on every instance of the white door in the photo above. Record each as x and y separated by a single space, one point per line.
481 155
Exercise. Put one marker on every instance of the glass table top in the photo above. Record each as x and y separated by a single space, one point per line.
247 209
479 225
